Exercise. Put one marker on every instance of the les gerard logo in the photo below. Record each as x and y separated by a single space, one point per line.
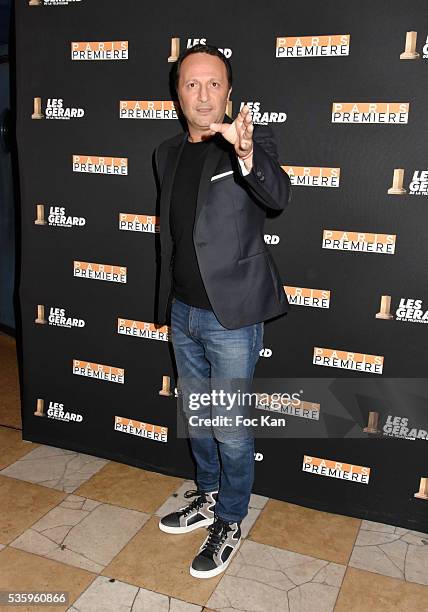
394 427
261 117
57 316
271 238
418 184
410 52
313 46
56 411
55 109
409 310
398 427
57 217
191 42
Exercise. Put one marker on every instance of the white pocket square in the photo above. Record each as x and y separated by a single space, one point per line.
217 176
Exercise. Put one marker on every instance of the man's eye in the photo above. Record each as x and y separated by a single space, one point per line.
215 84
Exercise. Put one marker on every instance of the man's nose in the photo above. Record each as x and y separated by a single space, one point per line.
203 93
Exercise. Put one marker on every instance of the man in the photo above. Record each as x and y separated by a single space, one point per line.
218 285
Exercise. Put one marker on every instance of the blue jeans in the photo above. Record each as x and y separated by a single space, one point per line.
205 351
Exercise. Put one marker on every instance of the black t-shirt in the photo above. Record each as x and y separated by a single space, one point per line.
188 285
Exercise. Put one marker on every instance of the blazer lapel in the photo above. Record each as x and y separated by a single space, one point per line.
171 164
208 170
215 151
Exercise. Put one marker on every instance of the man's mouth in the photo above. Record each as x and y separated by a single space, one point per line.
204 110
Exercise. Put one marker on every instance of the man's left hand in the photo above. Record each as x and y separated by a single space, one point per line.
239 133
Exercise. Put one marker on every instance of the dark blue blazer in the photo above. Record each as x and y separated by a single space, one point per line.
239 273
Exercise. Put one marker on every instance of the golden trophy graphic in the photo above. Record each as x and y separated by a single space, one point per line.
397 183
37 114
35 2
373 422
40 408
229 108
166 386
385 308
423 489
40 219
40 315
410 48
175 50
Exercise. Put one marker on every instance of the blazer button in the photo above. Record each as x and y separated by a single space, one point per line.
260 175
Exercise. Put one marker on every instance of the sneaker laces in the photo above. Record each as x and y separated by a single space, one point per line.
196 503
218 533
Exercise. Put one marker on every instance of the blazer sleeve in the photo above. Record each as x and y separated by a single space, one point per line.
267 180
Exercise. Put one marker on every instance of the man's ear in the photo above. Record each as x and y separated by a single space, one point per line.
228 94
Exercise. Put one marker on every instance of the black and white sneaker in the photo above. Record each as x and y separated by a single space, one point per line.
199 513
217 551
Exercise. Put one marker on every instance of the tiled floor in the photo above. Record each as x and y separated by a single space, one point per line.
72 522
88 526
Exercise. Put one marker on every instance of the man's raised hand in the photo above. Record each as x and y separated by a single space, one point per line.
239 133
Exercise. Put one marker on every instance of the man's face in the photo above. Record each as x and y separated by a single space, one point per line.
203 90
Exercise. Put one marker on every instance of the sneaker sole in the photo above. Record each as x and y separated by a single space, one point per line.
187 529
216 571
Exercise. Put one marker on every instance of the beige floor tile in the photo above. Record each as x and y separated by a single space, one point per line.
130 487
306 531
106 596
160 562
391 551
12 446
258 501
249 521
82 532
262 578
22 504
177 500
20 571
365 591
56 468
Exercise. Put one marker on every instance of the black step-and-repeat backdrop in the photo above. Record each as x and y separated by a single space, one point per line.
344 89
